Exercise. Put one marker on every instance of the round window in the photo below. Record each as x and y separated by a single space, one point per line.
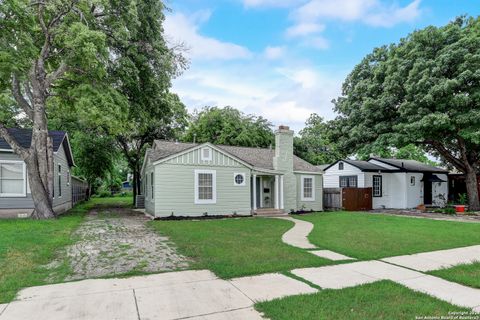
239 179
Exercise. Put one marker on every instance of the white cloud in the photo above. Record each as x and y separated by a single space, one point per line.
285 94
371 12
303 29
273 53
180 28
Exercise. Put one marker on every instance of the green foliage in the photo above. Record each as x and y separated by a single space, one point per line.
462 198
424 91
229 126
314 143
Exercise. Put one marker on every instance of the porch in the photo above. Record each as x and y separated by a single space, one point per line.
267 193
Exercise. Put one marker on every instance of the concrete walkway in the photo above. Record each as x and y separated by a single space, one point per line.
175 295
434 260
297 236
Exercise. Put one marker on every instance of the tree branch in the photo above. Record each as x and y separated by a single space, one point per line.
448 155
16 147
56 74
20 99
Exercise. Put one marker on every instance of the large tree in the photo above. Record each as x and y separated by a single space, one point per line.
425 90
44 44
315 143
229 126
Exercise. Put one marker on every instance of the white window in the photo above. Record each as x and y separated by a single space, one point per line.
59 181
412 180
308 188
206 154
205 186
151 181
239 179
12 179
68 177
377 186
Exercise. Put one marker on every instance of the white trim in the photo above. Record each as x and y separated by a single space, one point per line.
277 193
261 191
202 154
281 193
308 172
6 150
214 187
312 198
17 195
244 183
254 192
59 174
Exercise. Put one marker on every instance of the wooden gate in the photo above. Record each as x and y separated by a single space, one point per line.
332 198
357 199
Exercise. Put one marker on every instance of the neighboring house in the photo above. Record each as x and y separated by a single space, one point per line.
395 183
458 186
15 196
187 179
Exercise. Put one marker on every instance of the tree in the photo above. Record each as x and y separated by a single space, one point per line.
229 126
140 68
42 46
314 143
425 91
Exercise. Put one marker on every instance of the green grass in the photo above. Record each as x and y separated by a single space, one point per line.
380 300
370 236
237 247
467 274
28 245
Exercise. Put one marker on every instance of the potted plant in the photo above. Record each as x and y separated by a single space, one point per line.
462 200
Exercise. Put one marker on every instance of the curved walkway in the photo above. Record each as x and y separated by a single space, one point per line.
297 236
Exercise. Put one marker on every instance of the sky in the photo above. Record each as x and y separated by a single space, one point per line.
287 59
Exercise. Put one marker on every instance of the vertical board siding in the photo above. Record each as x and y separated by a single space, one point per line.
175 191
194 158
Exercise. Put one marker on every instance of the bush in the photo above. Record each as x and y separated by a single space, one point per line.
104 194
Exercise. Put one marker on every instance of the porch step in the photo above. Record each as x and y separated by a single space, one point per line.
269 212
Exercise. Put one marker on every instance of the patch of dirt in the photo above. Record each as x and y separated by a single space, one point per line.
118 241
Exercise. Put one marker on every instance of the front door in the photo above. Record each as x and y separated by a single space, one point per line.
267 192
427 190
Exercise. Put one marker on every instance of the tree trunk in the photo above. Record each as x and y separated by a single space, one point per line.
41 197
472 189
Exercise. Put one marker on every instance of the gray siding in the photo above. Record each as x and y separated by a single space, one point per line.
175 191
60 204
317 204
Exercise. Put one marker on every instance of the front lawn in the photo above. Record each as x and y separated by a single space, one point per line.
26 246
237 247
467 274
379 300
374 236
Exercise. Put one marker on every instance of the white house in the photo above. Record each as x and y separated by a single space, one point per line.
395 183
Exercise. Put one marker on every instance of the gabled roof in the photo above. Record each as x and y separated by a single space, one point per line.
410 165
257 157
362 165
24 138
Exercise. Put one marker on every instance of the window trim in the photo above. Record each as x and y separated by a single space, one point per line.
152 184
244 183
347 177
59 180
17 195
202 156
373 186
412 181
214 187
312 198
341 165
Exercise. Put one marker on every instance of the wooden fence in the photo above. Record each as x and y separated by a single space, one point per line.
332 198
357 199
79 190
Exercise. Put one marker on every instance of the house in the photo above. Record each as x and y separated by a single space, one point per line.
188 179
395 183
457 186
15 196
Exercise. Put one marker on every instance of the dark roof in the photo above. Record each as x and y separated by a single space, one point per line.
24 138
323 166
410 165
362 165
256 157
